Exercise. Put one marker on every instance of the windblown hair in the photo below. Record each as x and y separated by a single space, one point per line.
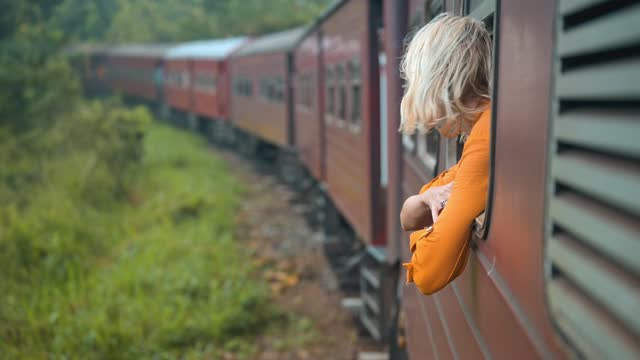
447 67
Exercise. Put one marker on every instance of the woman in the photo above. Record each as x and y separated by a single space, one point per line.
447 69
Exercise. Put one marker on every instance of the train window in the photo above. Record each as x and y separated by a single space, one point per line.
267 91
485 10
239 87
302 90
206 82
307 91
278 89
356 94
355 104
451 149
342 92
428 150
482 10
330 93
311 91
342 101
433 8
408 143
247 87
473 5
184 79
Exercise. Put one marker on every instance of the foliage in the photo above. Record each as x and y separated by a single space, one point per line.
118 21
115 234
156 275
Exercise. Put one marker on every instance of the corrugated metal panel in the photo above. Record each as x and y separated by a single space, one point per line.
593 242
274 42
206 49
141 50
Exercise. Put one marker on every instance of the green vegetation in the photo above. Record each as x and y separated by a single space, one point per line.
101 261
176 20
116 233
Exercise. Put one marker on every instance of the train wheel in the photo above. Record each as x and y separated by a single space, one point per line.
290 171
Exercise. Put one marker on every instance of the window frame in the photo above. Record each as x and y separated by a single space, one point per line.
354 75
206 82
311 91
341 85
330 105
408 144
483 12
430 161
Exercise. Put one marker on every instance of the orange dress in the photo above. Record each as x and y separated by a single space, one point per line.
440 253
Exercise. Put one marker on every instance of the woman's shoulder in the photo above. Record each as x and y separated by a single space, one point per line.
482 128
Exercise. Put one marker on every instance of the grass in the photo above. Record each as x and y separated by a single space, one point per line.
156 274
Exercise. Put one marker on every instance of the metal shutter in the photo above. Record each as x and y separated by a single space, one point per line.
593 242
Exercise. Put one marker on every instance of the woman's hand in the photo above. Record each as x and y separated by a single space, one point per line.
436 198
416 209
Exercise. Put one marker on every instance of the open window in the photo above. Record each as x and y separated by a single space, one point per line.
428 150
355 116
278 89
206 82
486 11
408 143
311 86
331 93
342 95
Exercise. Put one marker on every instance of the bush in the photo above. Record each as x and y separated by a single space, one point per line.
116 240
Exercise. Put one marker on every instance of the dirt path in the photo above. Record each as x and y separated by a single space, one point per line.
293 263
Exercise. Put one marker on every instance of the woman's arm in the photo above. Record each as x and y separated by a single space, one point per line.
420 211
440 255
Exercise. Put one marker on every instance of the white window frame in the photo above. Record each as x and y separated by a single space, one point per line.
408 144
427 159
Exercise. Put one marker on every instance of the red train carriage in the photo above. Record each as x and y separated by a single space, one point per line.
351 116
261 100
136 70
91 62
543 280
198 80
338 120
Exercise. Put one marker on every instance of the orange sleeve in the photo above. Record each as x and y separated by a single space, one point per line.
440 253
443 178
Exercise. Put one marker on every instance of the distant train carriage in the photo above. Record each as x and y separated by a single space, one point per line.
136 71
91 63
349 58
198 81
338 119
261 96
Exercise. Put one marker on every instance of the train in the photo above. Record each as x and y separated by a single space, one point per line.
553 271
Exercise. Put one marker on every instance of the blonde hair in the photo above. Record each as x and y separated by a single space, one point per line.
447 69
